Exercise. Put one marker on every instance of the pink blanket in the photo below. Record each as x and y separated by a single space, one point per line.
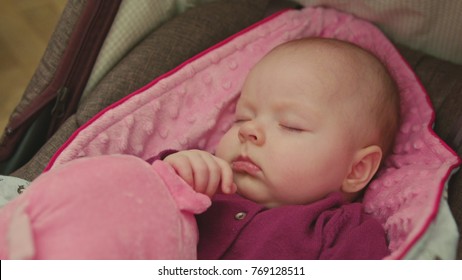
193 105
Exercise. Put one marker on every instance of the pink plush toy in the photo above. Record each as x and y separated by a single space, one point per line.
107 207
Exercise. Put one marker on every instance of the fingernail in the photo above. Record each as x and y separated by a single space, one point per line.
233 188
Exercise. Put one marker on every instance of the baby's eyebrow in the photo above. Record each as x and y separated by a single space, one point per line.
244 103
243 109
302 110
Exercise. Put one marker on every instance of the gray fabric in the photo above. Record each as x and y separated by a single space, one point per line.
425 25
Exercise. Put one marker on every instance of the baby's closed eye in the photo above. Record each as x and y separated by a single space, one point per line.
292 128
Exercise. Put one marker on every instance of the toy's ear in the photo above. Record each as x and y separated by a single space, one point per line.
365 164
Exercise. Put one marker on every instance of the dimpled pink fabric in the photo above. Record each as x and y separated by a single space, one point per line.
193 105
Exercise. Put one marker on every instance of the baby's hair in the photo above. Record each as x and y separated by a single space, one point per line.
384 101
381 104
388 111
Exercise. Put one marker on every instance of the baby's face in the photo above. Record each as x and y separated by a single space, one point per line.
288 145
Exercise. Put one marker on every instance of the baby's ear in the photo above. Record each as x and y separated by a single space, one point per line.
365 164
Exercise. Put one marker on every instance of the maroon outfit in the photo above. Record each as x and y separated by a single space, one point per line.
237 228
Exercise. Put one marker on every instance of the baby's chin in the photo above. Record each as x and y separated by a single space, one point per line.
257 198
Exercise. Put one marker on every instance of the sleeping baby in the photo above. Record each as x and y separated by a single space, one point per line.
315 119
314 122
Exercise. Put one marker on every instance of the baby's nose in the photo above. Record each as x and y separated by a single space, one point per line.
253 132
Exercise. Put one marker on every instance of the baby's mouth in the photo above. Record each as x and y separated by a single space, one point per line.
245 165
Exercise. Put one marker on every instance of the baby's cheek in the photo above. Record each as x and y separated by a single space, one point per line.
225 147
289 171
293 163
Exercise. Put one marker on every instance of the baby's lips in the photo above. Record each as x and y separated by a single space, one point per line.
245 166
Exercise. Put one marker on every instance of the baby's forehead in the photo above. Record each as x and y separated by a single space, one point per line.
330 52
342 69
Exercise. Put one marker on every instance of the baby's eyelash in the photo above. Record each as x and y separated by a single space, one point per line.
292 129
240 120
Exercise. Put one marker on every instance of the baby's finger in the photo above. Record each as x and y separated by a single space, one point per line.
201 174
227 183
214 174
182 167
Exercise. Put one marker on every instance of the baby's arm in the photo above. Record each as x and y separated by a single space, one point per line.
203 171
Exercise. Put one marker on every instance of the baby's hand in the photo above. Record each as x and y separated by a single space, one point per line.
203 171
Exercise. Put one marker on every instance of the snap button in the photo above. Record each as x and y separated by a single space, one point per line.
240 215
